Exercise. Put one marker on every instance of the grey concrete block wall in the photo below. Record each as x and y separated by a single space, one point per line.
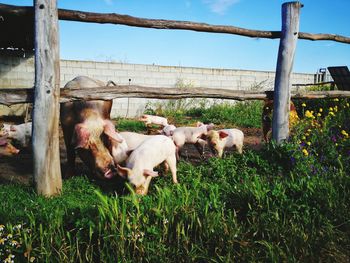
18 72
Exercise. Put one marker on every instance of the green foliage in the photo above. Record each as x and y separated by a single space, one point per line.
241 114
130 125
284 203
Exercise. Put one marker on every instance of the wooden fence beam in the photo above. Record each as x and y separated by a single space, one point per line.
16 96
286 51
46 157
112 18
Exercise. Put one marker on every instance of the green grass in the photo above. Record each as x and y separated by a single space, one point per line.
241 114
273 205
187 111
130 125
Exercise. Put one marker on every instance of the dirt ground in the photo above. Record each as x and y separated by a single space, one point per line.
18 169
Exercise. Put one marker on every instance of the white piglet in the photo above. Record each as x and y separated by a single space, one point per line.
152 119
221 139
192 135
21 133
139 166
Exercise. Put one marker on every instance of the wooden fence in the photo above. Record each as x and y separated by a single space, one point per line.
47 94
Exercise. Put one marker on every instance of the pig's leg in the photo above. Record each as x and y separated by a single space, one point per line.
166 167
200 144
171 161
239 148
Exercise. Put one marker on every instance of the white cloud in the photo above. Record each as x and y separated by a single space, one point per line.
220 6
108 2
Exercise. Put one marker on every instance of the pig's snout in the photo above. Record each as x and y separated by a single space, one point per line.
110 172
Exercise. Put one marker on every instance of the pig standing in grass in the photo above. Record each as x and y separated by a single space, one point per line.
151 119
152 152
21 133
192 135
221 139
88 130
6 148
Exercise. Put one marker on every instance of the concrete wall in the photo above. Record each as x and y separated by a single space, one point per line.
16 72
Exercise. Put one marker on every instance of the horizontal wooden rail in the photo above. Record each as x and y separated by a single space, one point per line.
15 96
313 84
112 18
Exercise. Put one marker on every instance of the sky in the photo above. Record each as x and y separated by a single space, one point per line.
119 43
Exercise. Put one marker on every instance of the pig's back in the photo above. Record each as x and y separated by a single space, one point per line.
235 136
152 151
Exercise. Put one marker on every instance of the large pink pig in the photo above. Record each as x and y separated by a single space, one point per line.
88 130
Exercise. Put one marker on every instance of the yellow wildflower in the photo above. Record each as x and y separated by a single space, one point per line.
331 113
343 132
303 138
318 114
308 143
2 241
320 110
336 99
330 109
309 130
307 134
303 105
308 114
305 152
347 104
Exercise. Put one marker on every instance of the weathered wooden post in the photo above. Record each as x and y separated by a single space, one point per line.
46 158
289 37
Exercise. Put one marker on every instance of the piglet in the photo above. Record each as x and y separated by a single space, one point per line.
6 148
21 133
151 119
152 152
192 135
221 139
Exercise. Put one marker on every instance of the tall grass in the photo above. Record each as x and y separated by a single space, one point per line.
274 205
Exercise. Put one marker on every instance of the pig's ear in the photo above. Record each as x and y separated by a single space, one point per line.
80 137
147 173
110 131
13 128
210 126
123 171
199 124
223 134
